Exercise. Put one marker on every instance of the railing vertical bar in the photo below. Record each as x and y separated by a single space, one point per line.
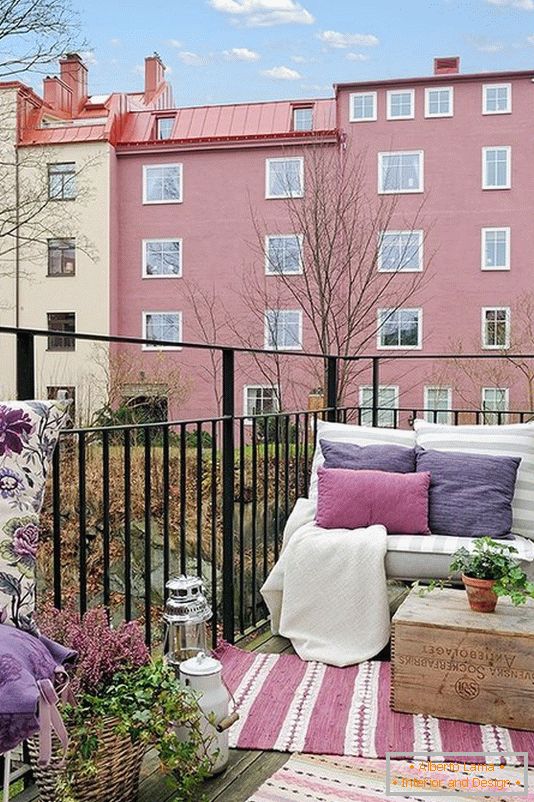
228 462
214 539
376 389
331 387
183 498
306 450
25 366
242 524
276 487
200 484
148 534
127 526
165 444
265 497
56 504
105 518
82 523
296 456
287 432
254 515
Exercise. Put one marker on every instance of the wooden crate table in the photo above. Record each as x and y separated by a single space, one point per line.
450 662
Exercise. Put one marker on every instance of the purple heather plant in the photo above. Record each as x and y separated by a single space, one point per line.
15 428
102 650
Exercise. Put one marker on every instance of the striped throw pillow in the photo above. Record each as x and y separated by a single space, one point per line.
514 440
360 436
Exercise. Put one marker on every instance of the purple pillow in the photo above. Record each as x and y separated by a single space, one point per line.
470 494
349 499
26 662
393 459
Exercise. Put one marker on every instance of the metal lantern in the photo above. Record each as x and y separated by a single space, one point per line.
186 613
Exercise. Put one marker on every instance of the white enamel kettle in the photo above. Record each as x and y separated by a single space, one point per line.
203 674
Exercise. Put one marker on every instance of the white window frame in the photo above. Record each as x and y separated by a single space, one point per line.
268 347
354 119
485 87
389 96
296 110
495 412
428 90
483 235
485 345
159 119
247 416
508 150
268 269
429 412
146 242
380 326
268 162
394 410
144 316
146 168
420 188
387 232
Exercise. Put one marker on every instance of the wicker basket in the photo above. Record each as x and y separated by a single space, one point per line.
118 765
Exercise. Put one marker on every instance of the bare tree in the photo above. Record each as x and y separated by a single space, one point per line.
35 33
512 365
341 229
208 316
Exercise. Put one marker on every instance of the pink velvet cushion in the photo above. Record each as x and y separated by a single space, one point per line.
351 499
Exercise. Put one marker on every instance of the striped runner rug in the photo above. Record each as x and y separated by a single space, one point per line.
319 778
289 705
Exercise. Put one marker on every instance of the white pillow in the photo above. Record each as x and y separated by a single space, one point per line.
360 436
513 440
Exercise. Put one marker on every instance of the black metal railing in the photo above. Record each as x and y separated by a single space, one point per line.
131 505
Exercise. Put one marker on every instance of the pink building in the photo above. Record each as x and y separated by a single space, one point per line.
444 159
215 233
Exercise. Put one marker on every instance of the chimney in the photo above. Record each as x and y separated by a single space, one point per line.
57 95
73 73
154 75
447 66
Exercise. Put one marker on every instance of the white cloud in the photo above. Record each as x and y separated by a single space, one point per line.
88 57
241 54
530 40
191 59
341 40
264 13
524 5
282 74
115 42
175 43
139 69
356 57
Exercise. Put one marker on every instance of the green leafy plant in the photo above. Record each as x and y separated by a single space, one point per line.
492 560
114 677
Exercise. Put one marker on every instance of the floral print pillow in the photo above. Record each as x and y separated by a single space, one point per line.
29 431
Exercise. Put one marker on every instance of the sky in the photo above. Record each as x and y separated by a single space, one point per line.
223 51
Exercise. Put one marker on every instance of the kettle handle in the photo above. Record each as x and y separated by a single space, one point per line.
227 722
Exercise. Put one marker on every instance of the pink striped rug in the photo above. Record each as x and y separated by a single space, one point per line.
288 705
318 778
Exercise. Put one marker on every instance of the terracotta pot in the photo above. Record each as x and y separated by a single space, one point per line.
480 594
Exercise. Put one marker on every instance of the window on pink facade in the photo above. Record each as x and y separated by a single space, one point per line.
283 329
496 327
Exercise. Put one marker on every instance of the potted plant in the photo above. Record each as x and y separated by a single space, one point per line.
124 702
490 570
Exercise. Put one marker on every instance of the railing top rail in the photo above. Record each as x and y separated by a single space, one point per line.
385 356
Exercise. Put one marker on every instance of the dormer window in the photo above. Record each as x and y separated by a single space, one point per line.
164 126
303 118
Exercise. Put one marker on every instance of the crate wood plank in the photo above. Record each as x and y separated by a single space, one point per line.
451 662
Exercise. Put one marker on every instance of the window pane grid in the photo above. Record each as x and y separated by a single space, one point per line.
61 257
285 178
284 254
164 326
496 99
387 400
439 102
438 404
400 250
496 328
496 167
399 328
494 399
163 258
261 400
400 104
61 321
62 181
282 329
164 127
364 106
401 172
303 119
496 248
163 183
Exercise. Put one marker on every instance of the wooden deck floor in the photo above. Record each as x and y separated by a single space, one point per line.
247 770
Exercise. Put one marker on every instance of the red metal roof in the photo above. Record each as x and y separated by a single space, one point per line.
228 122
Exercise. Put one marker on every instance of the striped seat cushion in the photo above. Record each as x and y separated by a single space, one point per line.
515 440
445 544
360 436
